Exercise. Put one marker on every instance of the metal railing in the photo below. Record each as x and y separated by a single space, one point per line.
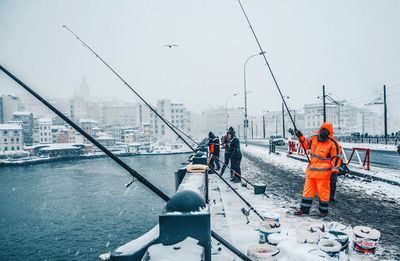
369 139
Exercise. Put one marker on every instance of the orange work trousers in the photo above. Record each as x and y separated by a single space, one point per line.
312 186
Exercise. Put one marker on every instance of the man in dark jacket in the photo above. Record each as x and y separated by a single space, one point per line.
236 155
213 145
227 156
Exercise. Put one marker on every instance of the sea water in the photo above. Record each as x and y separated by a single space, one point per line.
78 209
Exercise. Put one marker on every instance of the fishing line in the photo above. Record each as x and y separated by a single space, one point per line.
137 94
135 174
272 74
162 118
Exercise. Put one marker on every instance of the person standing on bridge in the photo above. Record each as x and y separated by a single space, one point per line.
236 155
227 155
213 145
325 158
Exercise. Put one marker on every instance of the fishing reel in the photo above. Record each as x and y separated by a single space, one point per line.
246 213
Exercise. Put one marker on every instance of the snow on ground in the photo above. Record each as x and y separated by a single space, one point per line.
299 167
243 235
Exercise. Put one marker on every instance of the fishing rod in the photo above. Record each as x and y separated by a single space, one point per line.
131 171
181 131
125 83
162 118
272 74
237 174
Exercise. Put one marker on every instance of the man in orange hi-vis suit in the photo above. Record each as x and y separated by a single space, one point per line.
325 158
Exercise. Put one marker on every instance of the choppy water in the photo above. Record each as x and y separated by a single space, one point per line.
76 210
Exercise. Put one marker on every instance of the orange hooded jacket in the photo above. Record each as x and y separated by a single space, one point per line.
325 157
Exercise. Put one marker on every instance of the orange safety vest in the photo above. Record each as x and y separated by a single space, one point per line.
211 148
325 157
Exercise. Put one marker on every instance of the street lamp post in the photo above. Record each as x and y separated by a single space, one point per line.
246 121
283 118
226 109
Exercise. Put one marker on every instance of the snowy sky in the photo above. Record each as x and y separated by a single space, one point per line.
351 46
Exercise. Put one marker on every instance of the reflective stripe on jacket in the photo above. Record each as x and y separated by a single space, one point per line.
325 157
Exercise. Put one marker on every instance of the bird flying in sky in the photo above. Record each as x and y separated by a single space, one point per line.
171 45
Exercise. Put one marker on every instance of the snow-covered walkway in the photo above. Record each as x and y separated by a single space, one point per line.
259 166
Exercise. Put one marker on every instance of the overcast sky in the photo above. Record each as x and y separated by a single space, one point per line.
353 47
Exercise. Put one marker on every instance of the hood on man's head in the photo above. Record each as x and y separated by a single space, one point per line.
211 135
231 130
328 126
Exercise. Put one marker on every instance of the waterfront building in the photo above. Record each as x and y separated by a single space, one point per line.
77 108
45 136
11 138
88 124
27 125
94 110
122 114
8 105
273 122
176 113
59 134
71 134
219 119
60 150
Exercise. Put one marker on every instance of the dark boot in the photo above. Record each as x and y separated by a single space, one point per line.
300 213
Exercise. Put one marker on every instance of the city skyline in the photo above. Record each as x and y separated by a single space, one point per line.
353 52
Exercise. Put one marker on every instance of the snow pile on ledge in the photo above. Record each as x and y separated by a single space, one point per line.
138 243
186 250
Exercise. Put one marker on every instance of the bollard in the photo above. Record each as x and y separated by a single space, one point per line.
186 215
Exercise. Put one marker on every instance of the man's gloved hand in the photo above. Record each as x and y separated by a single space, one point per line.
298 133
295 132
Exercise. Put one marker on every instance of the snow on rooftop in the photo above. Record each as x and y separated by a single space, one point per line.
60 146
22 113
88 120
46 121
10 126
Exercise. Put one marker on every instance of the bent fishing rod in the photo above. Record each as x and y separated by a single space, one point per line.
127 84
162 118
131 171
272 74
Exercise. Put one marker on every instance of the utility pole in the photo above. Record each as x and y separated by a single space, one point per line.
283 121
263 126
385 109
323 101
252 137
379 101
363 124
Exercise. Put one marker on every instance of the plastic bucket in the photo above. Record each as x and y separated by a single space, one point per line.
262 252
267 228
331 247
259 188
365 240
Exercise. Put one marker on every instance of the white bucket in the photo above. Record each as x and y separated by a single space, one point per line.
275 238
308 234
365 239
330 247
262 252
267 228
